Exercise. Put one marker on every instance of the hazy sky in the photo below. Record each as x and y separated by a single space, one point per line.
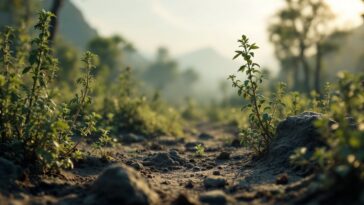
186 25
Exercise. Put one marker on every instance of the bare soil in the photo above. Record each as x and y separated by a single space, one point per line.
176 173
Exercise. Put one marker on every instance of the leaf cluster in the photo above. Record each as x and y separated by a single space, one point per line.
35 130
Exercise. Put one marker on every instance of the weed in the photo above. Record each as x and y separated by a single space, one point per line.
262 113
200 150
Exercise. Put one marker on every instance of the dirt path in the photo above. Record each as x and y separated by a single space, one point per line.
174 171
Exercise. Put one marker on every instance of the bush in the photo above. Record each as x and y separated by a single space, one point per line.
132 112
342 162
35 130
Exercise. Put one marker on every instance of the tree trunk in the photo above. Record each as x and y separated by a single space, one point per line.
318 68
27 12
56 7
305 67
296 78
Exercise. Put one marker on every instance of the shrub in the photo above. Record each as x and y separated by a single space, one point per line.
135 113
343 160
34 129
340 164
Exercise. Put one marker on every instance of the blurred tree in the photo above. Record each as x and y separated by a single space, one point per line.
109 51
296 29
56 7
324 46
68 57
189 76
162 72
18 12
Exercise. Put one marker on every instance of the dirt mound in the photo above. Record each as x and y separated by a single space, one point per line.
163 160
119 184
292 133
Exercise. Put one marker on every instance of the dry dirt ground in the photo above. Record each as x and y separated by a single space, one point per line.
176 173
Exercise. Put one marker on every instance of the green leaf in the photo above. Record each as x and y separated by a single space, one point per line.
266 117
254 46
237 55
26 69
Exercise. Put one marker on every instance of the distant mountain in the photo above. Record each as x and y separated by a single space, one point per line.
212 67
73 26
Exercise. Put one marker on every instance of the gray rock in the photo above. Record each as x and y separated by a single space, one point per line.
223 156
120 184
190 146
292 133
170 141
214 182
216 197
9 172
205 136
131 138
236 143
136 165
163 160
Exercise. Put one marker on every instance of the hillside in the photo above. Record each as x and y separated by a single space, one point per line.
73 26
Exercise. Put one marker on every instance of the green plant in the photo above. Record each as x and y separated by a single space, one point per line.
35 130
132 112
262 113
295 105
200 150
341 162
277 105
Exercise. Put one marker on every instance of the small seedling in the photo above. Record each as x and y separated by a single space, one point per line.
200 150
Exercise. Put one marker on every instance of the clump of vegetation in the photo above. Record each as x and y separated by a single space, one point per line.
342 162
262 113
133 112
35 130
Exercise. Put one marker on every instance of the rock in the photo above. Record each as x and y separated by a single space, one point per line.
170 141
205 136
214 182
282 179
189 184
136 165
216 197
163 160
9 172
183 199
216 173
190 146
157 147
131 138
120 184
189 165
292 133
223 156
236 143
